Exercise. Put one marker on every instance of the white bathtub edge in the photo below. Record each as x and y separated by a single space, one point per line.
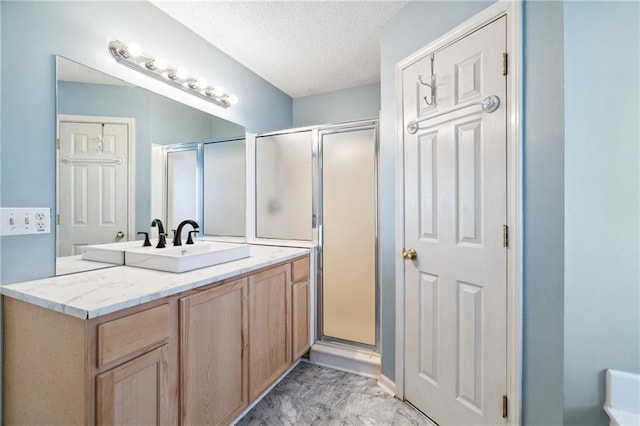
623 398
622 418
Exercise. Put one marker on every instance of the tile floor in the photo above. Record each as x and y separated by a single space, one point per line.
314 395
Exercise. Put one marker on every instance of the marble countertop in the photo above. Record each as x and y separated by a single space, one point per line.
94 293
74 264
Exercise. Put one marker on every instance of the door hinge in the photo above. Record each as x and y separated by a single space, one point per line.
505 403
504 64
58 143
58 219
505 236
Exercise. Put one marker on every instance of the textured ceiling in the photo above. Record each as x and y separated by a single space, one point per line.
301 47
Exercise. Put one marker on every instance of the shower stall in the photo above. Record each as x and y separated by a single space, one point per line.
319 186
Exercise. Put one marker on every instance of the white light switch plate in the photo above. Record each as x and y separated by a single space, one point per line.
25 220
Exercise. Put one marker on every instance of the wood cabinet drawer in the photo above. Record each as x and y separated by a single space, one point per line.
300 269
121 338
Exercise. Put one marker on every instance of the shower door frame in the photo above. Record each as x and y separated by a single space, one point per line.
315 244
318 133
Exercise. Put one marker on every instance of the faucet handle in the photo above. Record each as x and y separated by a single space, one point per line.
147 243
176 238
161 240
189 239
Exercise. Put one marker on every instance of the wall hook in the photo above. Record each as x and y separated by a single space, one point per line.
100 143
430 100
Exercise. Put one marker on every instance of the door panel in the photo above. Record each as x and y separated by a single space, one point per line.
470 342
134 393
428 155
469 182
455 207
428 321
107 196
269 330
213 354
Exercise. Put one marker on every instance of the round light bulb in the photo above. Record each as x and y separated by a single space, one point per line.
218 91
233 99
160 63
182 73
134 50
201 83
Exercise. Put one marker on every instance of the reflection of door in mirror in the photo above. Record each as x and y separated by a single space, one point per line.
93 182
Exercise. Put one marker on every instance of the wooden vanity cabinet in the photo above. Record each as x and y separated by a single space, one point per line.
213 354
198 357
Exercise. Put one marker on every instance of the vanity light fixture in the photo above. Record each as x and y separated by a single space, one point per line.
132 56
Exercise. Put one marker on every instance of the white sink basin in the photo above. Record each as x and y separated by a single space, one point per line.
185 257
108 253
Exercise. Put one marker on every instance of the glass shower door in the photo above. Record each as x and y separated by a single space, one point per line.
284 186
349 288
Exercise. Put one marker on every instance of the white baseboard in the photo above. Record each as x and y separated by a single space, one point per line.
346 358
387 384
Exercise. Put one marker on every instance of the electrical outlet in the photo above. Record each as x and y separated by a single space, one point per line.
25 220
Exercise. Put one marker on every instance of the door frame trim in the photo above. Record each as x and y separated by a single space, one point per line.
131 176
513 12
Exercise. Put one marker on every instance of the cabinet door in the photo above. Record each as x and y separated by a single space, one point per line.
134 393
269 331
213 326
300 318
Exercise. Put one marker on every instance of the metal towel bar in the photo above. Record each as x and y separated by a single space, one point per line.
488 104
69 160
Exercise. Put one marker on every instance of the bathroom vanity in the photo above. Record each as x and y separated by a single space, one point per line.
128 345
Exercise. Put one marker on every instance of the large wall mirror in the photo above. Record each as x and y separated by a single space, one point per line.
115 166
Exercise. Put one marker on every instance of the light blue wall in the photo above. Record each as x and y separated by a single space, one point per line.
602 142
415 26
32 33
543 226
357 103
158 120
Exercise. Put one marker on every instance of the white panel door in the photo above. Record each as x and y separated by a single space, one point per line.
92 185
455 209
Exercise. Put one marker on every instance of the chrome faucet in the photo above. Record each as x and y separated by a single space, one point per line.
177 240
161 235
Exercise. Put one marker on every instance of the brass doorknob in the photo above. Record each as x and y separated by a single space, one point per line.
119 234
409 254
